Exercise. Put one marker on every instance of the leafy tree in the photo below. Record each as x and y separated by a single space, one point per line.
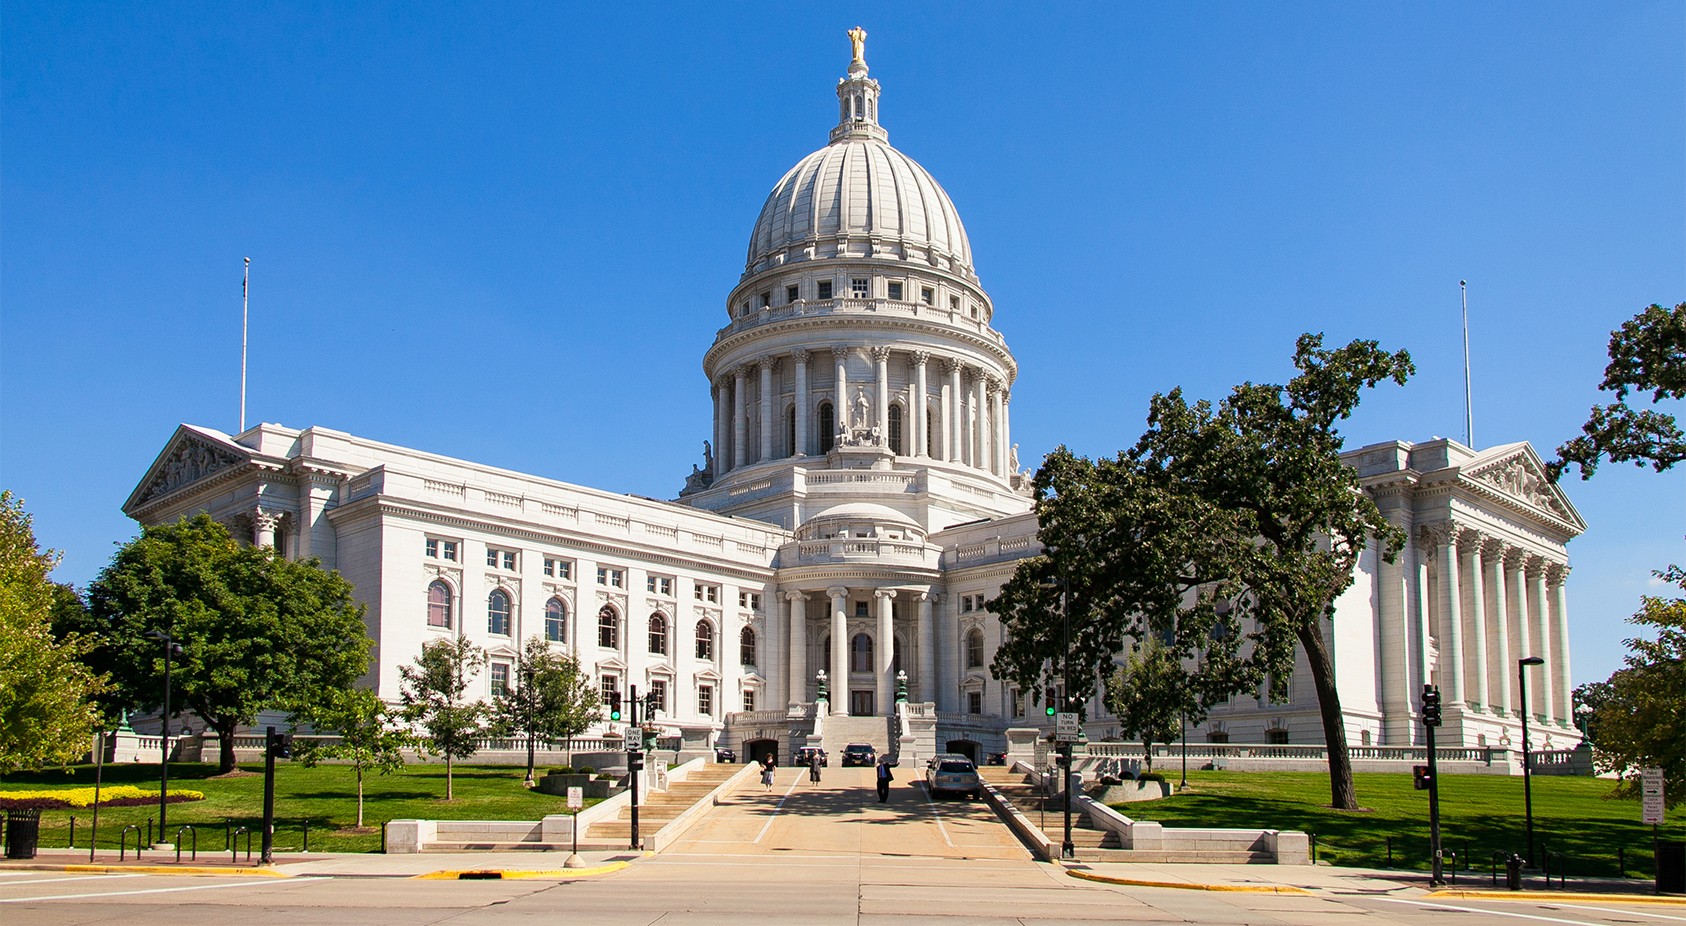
258 631
1219 518
435 696
1153 696
366 738
1647 354
47 712
549 698
1642 719
1587 700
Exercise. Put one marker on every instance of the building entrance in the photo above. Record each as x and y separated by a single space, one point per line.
860 703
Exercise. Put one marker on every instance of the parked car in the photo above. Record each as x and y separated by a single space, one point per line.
725 756
996 758
805 756
954 774
859 754
932 762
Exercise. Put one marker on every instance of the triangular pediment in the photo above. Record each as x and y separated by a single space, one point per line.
1515 472
192 456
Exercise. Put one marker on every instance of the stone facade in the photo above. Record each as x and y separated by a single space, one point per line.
859 502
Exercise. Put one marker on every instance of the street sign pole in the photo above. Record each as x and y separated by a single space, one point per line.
633 760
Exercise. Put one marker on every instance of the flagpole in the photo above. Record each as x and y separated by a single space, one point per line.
245 282
1469 405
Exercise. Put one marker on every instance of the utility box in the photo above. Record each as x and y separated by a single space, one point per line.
1671 866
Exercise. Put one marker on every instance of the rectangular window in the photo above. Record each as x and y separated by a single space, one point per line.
705 700
896 291
750 600
509 560
1016 701
743 309
974 702
611 689
860 287
448 550
613 578
790 294
749 699
862 609
497 557
500 679
766 299
707 593
560 568
492 557
658 694
954 303
432 548
659 585
927 295
824 289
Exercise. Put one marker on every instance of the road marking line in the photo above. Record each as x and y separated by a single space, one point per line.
939 817
76 878
777 809
160 890
1660 916
1520 916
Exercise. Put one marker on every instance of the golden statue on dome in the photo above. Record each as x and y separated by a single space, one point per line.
857 38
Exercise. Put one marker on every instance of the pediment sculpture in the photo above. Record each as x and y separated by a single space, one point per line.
191 461
1513 476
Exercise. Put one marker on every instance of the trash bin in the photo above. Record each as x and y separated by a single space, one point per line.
23 832
1671 866
1513 873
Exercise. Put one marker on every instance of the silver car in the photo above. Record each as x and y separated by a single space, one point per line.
955 774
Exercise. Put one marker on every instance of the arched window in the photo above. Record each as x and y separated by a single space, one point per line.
439 604
974 649
658 634
828 427
705 640
746 646
556 621
860 653
608 628
790 431
895 429
497 612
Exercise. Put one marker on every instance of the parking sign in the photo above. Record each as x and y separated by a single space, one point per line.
1651 795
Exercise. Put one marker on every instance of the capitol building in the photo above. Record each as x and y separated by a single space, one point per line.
860 502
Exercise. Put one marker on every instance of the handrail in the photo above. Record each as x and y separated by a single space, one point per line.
123 842
191 832
234 847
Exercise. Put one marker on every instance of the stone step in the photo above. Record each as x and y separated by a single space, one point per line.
1174 856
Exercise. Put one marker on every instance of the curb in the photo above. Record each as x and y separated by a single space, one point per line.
171 870
1570 896
1190 886
516 874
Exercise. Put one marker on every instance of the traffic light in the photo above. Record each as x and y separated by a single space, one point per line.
614 705
1050 700
282 746
1420 777
651 704
1431 706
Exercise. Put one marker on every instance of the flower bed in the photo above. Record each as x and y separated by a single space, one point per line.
114 796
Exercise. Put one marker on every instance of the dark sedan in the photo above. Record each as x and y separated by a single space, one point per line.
859 754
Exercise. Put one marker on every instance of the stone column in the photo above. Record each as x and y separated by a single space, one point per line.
997 450
884 651
317 495
840 401
722 415
1393 618
921 426
951 412
1421 621
980 414
1451 618
1565 708
1540 609
740 378
766 390
798 672
1006 431
1519 621
263 528
927 647
839 651
881 401
1475 619
1499 670
802 410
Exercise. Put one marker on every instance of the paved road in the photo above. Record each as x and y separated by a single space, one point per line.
796 855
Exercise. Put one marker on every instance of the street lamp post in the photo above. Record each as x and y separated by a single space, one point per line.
1067 848
1527 777
171 649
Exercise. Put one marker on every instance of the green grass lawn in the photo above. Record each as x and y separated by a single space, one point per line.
325 795
1479 815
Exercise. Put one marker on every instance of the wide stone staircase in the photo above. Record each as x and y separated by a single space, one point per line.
1094 844
841 731
659 807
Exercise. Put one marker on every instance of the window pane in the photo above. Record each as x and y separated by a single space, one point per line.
608 628
555 621
438 605
658 634
497 613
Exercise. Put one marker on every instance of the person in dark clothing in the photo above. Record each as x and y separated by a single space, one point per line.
814 764
884 778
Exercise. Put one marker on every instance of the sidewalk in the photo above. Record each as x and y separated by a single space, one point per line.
1318 878
334 865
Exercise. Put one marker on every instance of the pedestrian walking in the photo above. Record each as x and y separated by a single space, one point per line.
884 777
815 762
767 766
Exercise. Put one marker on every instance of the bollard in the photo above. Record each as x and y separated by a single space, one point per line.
1390 851
149 840
1513 873
72 843
1621 862
1454 856
306 835
1313 837
1495 859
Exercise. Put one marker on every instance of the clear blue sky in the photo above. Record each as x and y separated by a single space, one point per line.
507 233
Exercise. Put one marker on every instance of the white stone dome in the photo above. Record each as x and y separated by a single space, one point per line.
859 191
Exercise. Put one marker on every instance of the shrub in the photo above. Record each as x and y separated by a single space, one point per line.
113 796
1151 776
561 770
584 770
